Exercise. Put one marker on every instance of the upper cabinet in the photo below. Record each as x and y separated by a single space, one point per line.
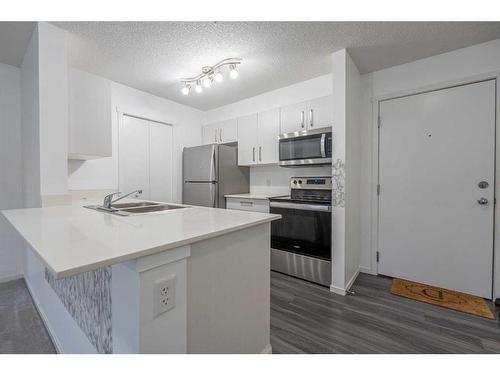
89 116
221 132
293 118
320 112
258 138
316 113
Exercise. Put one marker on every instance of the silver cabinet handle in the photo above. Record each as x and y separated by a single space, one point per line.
220 134
253 153
243 203
311 118
302 122
215 135
260 153
482 201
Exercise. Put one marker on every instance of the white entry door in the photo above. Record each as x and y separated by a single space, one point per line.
436 203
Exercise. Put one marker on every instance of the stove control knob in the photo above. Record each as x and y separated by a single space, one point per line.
295 182
300 181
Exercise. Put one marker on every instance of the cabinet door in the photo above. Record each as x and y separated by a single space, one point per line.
247 140
134 156
210 133
293 118
320 112
89 116
160 162
269 130
228 131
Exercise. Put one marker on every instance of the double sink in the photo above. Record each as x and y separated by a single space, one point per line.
140 207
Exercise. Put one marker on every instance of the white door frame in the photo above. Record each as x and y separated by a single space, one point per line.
375 164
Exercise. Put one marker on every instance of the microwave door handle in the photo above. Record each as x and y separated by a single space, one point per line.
323 145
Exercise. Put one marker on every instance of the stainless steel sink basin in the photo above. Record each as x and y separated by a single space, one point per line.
141 207
134 204
143 210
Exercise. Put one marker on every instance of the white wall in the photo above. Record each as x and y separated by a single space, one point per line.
11 178
102 174
274 179
53 91
438 70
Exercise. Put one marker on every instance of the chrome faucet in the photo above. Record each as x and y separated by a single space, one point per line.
108 198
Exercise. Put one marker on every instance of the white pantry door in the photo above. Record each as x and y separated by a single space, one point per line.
133 146
160 162
435 150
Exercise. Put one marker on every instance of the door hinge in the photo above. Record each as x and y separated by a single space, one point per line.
378 256
379 121
378 189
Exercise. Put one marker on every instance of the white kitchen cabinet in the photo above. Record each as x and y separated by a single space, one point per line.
220 132
268 132
228 131
320 112
210 133
313 114
293 118
134 156
247 204
258 138
247 139
145 158
89 116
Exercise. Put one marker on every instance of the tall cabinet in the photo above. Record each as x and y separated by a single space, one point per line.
145 158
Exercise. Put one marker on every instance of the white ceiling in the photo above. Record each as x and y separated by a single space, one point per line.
153 56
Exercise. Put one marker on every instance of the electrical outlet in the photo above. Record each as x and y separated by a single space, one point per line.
164 295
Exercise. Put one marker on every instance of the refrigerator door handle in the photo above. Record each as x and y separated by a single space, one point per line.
212 165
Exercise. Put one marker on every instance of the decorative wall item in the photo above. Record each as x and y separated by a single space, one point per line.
87 297
338 183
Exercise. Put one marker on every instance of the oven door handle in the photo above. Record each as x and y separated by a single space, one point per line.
301 206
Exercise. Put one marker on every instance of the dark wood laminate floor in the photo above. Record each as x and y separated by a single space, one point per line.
307 318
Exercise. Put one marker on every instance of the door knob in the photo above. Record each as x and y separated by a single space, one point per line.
482 201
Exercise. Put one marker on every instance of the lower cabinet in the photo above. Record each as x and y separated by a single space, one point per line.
248 204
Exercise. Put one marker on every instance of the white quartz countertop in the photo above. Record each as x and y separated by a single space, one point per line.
252 196
73 239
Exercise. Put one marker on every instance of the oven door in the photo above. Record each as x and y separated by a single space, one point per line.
304 229
305 148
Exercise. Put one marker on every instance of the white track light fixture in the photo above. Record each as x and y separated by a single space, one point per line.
210 74
185 90
198 87
233 73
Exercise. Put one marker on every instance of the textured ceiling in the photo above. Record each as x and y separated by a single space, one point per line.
153 56
14 39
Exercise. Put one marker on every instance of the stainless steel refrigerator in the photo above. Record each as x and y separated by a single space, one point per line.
210 172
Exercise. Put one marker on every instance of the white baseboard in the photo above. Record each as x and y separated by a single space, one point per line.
268 349
56 342
352 280
4 279
367 270
337 290
343 291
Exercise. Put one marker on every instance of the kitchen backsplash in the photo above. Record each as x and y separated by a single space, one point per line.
275 180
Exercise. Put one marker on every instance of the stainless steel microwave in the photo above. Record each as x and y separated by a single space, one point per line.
305 148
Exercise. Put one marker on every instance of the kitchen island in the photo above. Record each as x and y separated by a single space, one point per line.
188 280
